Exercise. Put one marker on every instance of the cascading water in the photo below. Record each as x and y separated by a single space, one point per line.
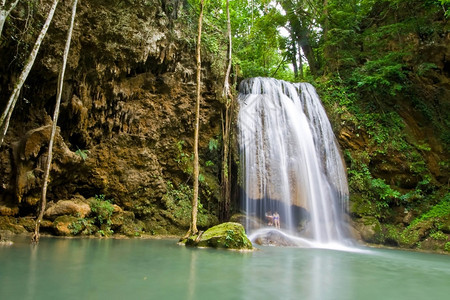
291 161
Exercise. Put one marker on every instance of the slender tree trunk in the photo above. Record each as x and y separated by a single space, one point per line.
35 237
6 116
5 10
226 86
193 226
226 126
309 54
326 22
302 33
294 54
300 61
326 27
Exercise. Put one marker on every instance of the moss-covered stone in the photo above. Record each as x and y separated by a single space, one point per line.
10 224
368 228
62 225
226 235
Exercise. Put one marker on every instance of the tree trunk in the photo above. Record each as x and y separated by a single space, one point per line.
326 22
300 61
226 127
309 53
193 226
294 58
326 27
35 237
226 86
6 116
301 31
5 9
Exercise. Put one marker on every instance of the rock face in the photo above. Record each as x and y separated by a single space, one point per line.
126 121
226 235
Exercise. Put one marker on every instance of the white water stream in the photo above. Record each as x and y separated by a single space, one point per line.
291 162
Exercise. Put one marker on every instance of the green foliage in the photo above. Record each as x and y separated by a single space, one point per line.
386 74
82 153
213 145
423 68
446 6
374 190
439 236
438 213
184 160
178 201
447 247
82 226
102 210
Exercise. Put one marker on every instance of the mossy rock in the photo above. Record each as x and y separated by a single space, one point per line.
10 224
226 235
369 228
62 225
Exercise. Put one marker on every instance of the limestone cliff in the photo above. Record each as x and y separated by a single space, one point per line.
126 122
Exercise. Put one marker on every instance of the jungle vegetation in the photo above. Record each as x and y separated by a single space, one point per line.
376 64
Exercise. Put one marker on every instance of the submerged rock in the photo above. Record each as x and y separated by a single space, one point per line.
226 235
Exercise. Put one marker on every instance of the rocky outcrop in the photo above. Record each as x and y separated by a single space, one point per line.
126 120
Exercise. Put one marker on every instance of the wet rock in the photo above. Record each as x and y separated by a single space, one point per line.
226 235
251 222
274 238
6 210
62 225
11 224
75 207
408 218
123 222
5 242
368 228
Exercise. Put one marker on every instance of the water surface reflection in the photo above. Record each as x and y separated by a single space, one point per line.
157 269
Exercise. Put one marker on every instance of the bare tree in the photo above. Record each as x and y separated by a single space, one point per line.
35 236
5 9
226 125
193 226
6 115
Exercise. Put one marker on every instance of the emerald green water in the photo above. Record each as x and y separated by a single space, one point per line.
160 269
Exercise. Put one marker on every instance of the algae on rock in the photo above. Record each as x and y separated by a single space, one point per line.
226 235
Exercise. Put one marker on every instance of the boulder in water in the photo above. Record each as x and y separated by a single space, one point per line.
226 235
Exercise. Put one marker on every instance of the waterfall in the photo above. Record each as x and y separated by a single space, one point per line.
291 163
